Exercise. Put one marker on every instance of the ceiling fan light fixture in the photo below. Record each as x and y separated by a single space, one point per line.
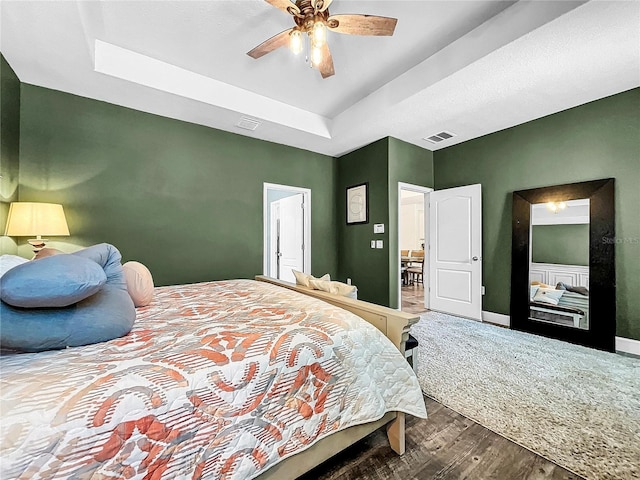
316 55
296 41
319 33
313 18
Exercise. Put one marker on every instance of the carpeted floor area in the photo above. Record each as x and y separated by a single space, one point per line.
576 406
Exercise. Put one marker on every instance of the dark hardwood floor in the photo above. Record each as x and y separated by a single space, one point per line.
444 446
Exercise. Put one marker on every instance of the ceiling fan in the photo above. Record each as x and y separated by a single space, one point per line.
312 17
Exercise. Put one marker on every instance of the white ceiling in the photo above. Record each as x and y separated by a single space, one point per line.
467 67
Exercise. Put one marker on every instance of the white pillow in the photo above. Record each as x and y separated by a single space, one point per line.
304 279
337 288
7 262
548 295
534 290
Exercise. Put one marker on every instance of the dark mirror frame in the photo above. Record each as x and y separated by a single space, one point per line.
602 273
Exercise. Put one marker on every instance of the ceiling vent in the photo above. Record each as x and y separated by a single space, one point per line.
248 123
439 137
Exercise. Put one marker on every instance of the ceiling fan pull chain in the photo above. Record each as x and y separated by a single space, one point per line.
307 50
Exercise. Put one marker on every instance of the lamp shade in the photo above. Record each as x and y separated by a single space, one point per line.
28 219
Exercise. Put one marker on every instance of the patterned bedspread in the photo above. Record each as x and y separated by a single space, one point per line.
216 380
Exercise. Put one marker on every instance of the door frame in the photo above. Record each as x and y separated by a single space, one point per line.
306 193
425 278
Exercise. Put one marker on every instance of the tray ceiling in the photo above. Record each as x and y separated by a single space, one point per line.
470 68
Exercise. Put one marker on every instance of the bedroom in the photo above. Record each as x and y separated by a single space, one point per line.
114 168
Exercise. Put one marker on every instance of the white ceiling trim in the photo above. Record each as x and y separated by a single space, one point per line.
141 69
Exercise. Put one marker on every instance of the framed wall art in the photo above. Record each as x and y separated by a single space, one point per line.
358 204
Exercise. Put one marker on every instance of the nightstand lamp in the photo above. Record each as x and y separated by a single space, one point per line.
28 219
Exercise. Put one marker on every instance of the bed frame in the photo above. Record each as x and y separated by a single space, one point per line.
395 326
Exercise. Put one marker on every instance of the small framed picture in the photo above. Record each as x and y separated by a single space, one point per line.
358 204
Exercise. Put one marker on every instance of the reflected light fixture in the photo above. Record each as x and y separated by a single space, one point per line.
555 207
27 219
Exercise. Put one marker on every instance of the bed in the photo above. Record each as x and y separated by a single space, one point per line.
572 310
235 379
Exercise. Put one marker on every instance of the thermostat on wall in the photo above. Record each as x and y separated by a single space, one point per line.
378 228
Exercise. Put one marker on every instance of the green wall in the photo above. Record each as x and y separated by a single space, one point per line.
9 147
382 164
563 244
368 268
408 164
600 139
183 199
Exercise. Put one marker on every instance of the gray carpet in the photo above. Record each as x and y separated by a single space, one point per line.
575 406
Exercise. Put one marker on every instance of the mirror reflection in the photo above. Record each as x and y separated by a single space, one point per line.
559 263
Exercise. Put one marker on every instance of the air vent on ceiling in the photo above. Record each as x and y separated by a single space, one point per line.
248 123
439 137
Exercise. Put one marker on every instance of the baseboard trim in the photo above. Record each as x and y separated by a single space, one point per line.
628 345
496 318
624 345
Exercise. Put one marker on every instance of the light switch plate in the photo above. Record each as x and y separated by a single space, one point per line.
379 244
378 228
373 244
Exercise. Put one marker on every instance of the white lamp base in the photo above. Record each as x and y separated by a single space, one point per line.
37 244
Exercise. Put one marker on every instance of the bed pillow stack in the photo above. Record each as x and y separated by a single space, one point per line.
337 288
65 300
548 295
325 284
305 279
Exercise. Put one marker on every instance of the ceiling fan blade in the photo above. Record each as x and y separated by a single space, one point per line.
362 24
268 46
326 66
324 4
284 5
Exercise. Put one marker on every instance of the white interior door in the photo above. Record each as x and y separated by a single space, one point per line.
287 237
455 254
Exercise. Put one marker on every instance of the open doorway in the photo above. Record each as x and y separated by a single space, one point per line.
287 231
413 238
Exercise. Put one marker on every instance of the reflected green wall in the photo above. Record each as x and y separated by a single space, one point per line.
183 199
600 139
9 147
563 244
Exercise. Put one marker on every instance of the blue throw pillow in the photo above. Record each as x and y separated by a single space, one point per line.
103 316
56 281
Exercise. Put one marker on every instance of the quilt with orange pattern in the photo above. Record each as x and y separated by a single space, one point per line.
216 380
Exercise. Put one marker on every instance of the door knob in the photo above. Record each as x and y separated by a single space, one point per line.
475 259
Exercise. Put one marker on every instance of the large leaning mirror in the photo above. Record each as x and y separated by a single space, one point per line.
563 271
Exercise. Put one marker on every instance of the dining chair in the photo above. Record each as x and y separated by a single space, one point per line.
416 266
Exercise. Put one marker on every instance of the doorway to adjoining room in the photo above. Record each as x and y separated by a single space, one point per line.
412 233
287 231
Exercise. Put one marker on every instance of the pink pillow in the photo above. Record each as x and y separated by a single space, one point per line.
139 283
